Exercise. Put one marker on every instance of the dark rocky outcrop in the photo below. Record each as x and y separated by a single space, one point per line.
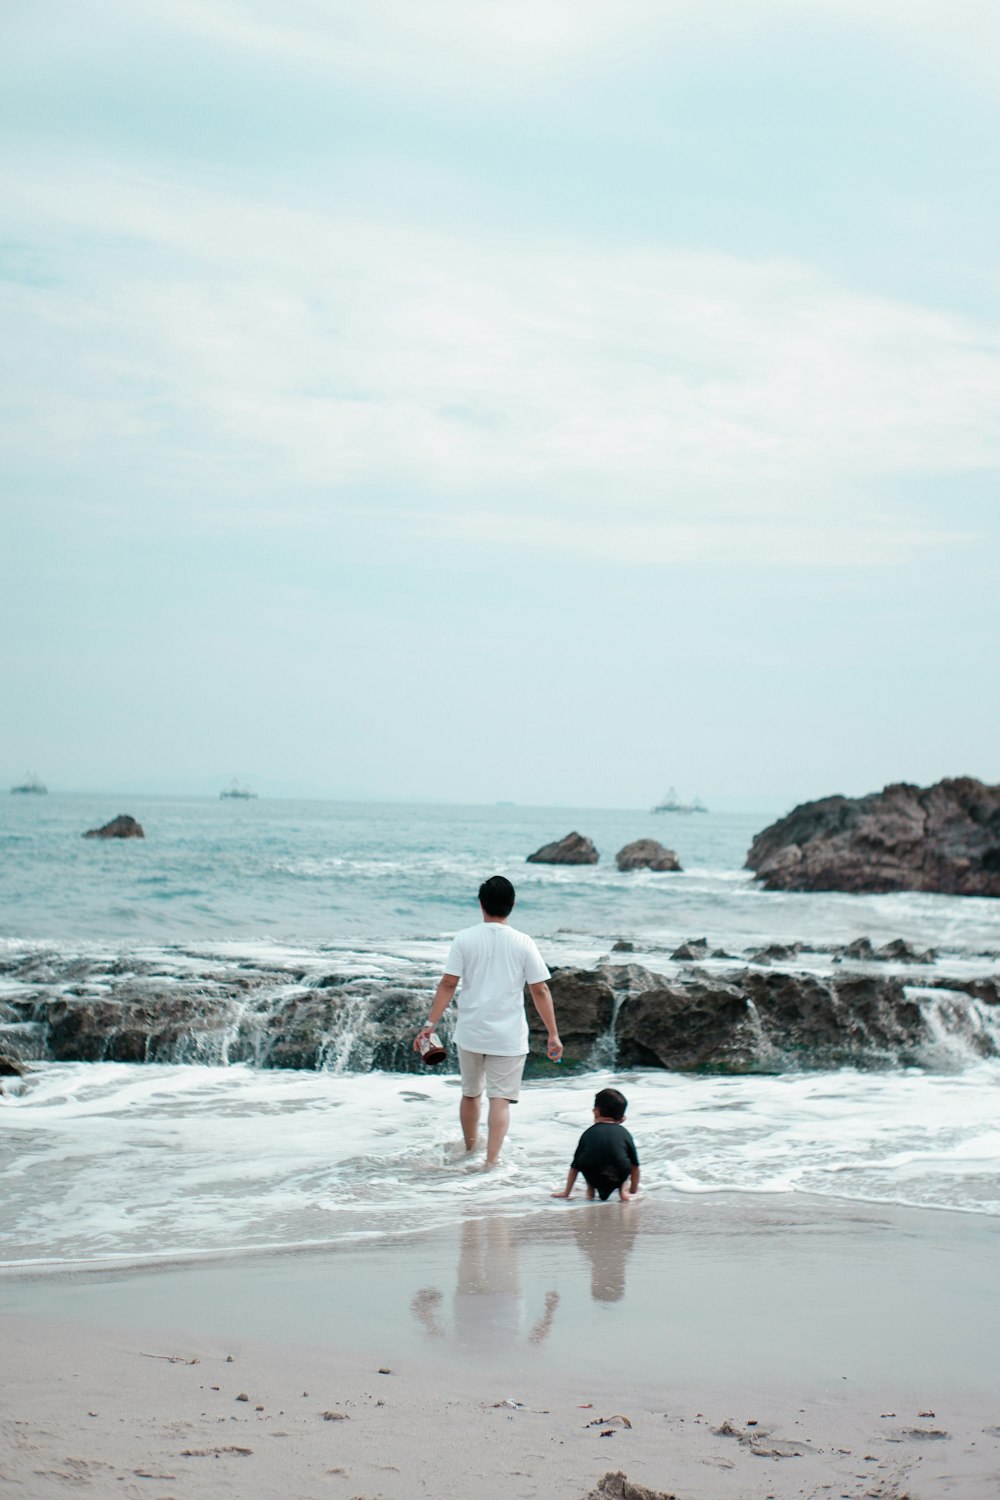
690 1024
751 1021
10 1067
646 854
122 827
944 838
736 1018
586 1001
574 849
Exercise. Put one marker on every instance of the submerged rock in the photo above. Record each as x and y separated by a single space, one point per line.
646 854
692 951
900 952
122 827
897 951
574 849
776 953
860 949
943 838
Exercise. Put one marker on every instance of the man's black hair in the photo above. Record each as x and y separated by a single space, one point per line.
496 896
611 1104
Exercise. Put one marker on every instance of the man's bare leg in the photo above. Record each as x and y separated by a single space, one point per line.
468 1114
498 1122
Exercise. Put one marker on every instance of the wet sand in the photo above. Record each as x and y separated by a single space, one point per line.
758 1346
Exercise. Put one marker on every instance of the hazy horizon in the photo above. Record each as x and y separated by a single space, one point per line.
475 402
202 788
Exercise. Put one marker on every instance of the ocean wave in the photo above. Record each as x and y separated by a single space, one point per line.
178 1161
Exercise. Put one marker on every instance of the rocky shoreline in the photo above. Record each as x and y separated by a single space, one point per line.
773 1009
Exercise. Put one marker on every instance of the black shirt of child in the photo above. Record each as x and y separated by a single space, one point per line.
605 1156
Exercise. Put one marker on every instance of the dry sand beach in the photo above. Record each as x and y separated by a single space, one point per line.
723 1348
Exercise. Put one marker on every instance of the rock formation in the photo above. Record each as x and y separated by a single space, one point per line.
898 951
646 854
574 849
122 827
734 1017
691 951
943 838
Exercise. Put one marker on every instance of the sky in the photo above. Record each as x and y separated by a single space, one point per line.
538 400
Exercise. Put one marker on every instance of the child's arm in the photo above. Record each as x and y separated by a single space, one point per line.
632 1191
570 1184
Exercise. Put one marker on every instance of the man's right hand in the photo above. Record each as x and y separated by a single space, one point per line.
425 1031
554 1047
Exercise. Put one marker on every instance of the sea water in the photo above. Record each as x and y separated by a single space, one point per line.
106 1161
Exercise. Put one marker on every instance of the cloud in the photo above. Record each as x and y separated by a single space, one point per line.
466 47
671 401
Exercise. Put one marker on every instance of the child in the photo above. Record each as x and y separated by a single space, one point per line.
605 1153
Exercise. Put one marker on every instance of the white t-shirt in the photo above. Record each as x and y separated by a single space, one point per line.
494 962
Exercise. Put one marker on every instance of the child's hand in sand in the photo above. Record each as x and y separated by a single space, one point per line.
562 1193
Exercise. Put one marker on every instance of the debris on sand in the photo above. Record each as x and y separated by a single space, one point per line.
618 1486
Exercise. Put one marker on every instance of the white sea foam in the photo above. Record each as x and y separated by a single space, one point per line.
114 1161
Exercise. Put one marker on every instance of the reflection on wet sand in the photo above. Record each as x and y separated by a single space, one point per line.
488 1304
606 1232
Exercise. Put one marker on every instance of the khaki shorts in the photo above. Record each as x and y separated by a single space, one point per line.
501 1075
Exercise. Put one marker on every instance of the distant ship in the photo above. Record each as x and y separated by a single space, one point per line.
242 793
31 783
672 803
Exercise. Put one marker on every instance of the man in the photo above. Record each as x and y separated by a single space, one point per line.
493 962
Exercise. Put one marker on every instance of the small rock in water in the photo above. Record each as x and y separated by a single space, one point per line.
861 948
693 949
646 854
574 849
122 827
776 953
899 951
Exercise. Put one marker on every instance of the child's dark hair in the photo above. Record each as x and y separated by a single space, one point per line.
496 896
611 1104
